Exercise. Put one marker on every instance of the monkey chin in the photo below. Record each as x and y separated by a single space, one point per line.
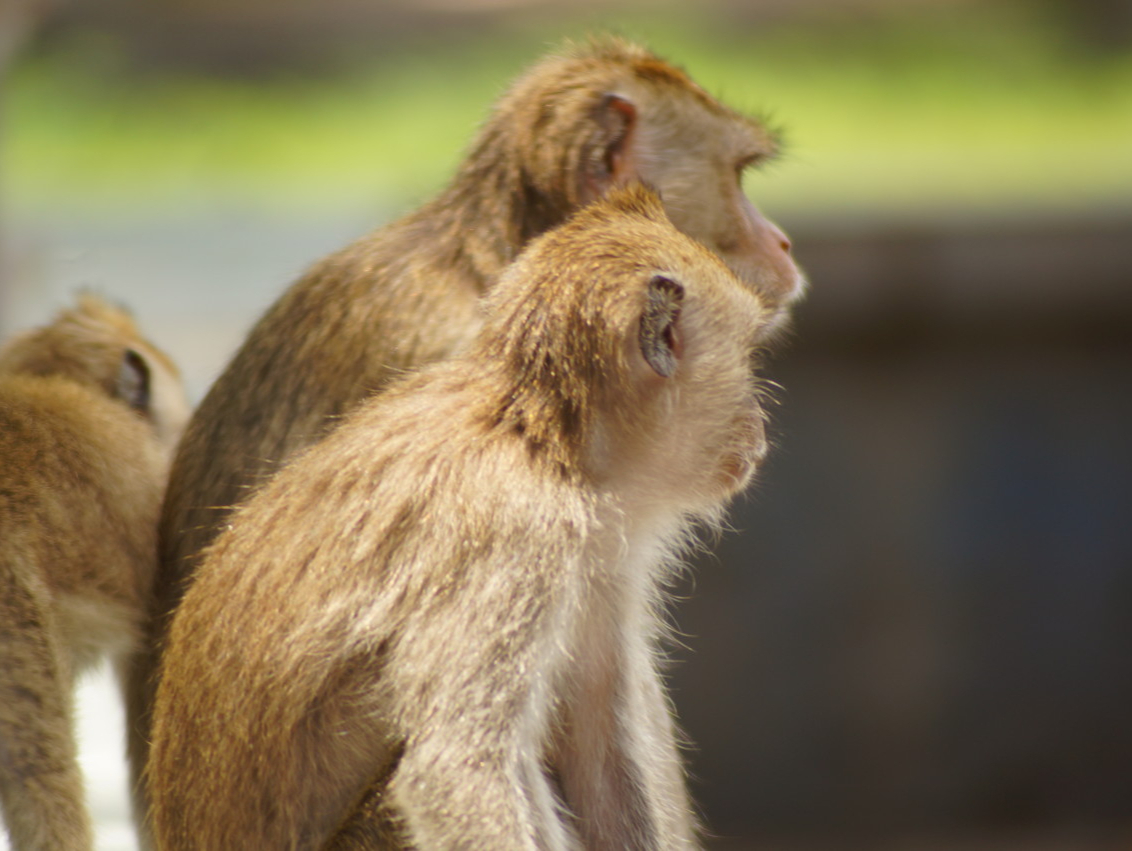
780 317
736 471
741 461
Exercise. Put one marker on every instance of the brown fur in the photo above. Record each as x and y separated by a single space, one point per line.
89 413
438 627
572 127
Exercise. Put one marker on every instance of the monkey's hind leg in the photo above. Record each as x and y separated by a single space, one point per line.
41 790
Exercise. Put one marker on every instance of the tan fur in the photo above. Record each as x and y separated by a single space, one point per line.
578 123
86 434
438 627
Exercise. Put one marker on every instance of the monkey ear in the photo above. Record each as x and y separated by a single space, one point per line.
660 338
617 117
133 385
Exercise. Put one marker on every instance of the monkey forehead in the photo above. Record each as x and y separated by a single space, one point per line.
620 61
663 92
580 75
687 118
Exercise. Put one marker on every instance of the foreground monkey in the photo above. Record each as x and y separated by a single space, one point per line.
570 129
437 628
89 413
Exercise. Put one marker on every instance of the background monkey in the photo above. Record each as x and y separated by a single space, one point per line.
89 414
437 627
571 128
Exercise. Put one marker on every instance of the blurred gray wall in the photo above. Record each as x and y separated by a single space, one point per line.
925 622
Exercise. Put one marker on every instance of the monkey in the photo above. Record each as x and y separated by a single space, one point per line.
438 627
89 414
580 122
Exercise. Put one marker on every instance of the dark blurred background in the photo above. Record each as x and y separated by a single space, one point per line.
919 635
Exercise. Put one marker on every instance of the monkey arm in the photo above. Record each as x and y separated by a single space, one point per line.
615 751
41 790
655 745
471 775
480 796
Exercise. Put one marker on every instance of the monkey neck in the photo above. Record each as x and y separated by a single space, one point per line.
490 211
549 426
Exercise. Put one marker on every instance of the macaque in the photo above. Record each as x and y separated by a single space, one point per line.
89 414
573 127
438 627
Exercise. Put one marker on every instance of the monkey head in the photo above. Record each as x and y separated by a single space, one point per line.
635 344
611 114
97 345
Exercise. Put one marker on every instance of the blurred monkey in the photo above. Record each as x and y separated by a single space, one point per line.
89 414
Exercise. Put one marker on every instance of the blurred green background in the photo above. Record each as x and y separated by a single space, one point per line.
889 106
920 634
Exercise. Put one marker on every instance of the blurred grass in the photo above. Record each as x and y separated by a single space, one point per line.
922 111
